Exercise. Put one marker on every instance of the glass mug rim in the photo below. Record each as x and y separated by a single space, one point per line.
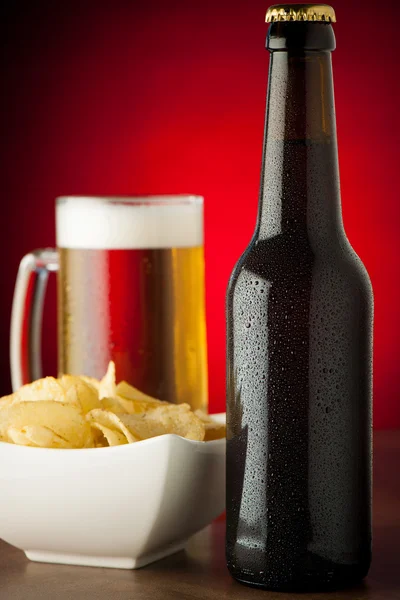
134 200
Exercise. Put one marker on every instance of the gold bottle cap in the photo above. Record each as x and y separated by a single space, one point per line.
301 12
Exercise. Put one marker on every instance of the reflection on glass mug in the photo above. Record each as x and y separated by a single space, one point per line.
130 289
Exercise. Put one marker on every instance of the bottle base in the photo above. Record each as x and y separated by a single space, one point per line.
329 579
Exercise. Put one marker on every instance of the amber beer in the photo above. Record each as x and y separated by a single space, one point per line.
299 342
131 288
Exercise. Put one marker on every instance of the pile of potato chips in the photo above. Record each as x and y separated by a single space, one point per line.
82 412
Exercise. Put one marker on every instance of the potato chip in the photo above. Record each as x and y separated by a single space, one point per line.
133 400
86 395
45 437
129 392
69 389
111 436
65 420
18 436
112 421
91 381
48 388
107 386
37 435
6 400
213 430
167 418
113 405
134 406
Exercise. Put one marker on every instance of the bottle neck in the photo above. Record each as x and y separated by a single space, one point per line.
300 177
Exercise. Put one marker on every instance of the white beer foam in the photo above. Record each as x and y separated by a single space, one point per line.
148 222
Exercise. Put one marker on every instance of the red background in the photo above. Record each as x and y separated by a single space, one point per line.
152 96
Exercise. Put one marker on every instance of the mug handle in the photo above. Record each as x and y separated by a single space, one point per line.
27 315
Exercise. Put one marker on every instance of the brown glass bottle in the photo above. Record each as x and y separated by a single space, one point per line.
299 348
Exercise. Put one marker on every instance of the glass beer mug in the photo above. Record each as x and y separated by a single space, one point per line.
130 289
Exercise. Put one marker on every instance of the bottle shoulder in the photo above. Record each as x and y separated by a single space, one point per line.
280 261
349 260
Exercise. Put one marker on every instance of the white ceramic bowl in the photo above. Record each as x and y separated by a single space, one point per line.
121 507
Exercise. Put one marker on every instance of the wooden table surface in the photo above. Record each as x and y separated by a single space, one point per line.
199 573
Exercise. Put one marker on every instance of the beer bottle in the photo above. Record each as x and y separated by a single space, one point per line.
299 342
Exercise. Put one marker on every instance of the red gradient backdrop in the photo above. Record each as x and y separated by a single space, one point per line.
151 96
